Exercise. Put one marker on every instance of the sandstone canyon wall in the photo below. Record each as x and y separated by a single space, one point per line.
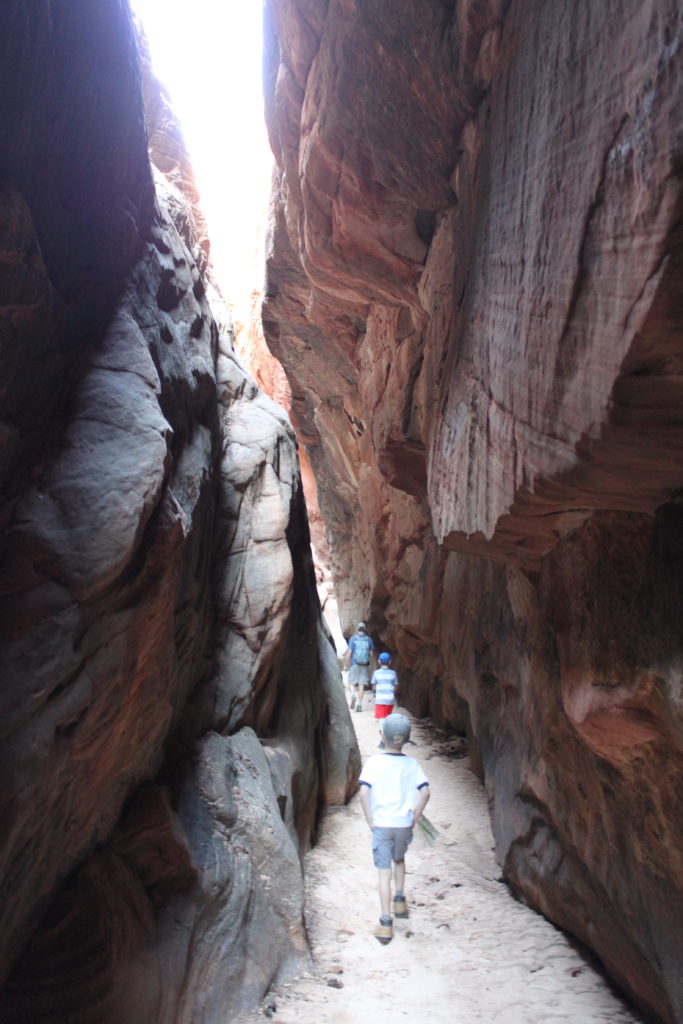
255 356
474 285
172 714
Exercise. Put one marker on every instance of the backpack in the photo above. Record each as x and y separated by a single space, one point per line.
361 650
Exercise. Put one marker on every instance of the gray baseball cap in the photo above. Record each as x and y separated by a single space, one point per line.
396 729
361 625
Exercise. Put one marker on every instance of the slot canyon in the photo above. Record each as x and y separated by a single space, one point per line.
473 311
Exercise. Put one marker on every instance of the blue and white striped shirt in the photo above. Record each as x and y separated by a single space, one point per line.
384 681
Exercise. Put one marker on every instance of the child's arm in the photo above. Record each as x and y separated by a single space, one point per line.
365 803
423 796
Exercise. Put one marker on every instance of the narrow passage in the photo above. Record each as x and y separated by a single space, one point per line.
468 952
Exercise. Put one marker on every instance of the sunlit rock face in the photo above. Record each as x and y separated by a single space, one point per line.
474 286
255 355
172 712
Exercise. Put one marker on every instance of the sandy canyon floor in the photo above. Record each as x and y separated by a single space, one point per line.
469 952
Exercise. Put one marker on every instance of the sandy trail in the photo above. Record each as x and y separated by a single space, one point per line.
468 952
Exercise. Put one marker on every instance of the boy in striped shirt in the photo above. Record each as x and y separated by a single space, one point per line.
384 682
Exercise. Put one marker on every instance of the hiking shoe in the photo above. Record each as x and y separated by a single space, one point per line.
400 906
384 933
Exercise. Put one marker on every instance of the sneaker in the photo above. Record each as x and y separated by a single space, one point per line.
400 906
353 701
359 707
384 933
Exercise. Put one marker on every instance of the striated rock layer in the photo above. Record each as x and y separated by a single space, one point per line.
172 712
474 286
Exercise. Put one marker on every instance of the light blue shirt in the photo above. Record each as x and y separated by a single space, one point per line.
385 681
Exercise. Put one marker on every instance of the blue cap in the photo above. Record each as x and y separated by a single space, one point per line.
384 658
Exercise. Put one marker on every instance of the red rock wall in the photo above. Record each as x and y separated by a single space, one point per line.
172 711
474 282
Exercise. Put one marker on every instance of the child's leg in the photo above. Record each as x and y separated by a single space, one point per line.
398 902
399 876
385 891
381 855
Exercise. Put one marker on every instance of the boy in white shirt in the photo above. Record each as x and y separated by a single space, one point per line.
393 793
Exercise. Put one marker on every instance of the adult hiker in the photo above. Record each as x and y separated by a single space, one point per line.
384 682
360 651
394 792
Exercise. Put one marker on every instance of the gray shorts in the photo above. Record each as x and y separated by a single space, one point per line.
390 844
359 675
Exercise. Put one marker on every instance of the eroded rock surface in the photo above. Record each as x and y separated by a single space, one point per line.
474 281
254 354
169 690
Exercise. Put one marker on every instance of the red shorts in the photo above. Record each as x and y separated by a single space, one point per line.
382 710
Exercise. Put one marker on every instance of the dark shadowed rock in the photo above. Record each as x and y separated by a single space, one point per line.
77 195
106 593
221 941
166 708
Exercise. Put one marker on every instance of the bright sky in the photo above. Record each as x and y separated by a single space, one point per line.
208 55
